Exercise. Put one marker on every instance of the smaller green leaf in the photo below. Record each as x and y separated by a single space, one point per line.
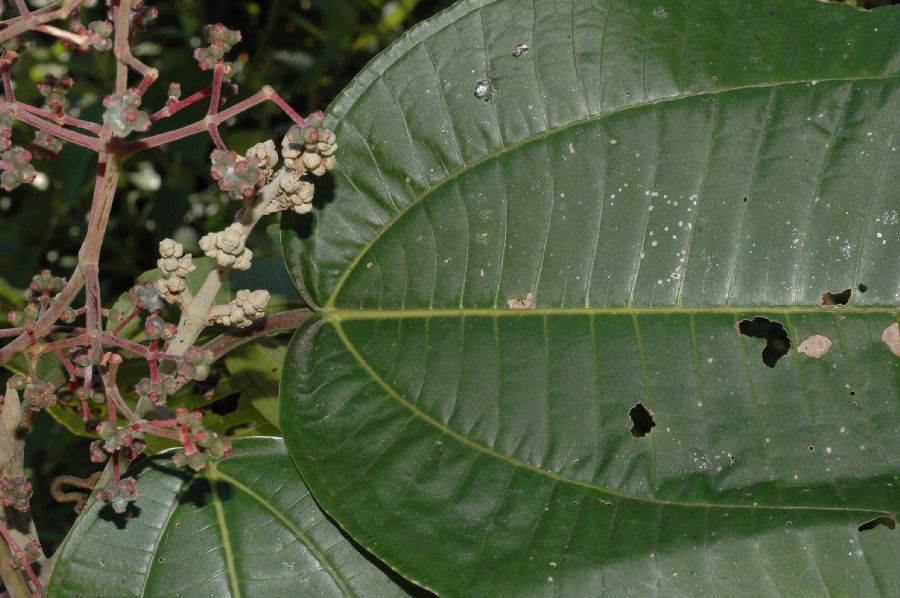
247 526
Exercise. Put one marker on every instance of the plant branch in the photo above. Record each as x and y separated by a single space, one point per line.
280 322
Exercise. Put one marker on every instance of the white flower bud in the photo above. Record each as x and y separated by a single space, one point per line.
227 247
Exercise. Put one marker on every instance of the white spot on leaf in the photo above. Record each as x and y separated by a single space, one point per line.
815 346
526 303
891 338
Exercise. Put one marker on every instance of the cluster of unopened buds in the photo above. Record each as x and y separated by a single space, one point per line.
220 39
54 91
17 168
15 492
175 265
119 494
41 291
309 148
243 309
227 247
122 115
115 438
199 444
237 176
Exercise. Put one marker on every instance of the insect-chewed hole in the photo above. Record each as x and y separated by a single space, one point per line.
862 288
777 340
842 298
888 521
642 420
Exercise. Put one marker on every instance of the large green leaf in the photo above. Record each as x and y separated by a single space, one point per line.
649 177
247 527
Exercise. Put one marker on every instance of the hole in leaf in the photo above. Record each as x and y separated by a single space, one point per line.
888 521
862 288
777 340
841 298
745 199
642 420
227 404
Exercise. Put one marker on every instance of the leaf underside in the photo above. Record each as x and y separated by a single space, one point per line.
248 527
643 179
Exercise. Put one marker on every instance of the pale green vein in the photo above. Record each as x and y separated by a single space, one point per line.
344 315
556 477
217 474
226 541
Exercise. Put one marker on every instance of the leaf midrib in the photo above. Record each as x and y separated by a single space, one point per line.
345 314
555 477
397 216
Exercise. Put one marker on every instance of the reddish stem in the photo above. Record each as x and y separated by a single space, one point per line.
181 104
25 116
151 362
22 558
65 119
126 320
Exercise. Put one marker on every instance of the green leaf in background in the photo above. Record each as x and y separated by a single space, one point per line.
571 325
246 527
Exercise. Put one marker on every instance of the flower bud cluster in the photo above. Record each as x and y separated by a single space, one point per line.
97 33
15 492
156 329
45 145
46 283
39 394
294 193
122 114
54 91
117 438
28 314
227 248
119 495
159 392
146 296
245 307
17 168
220 40
141 14
196 363
309 148
6 121
175 265
265 157
199 443
237 176
84 356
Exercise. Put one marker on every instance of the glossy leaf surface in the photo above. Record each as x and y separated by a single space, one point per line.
246 527
645 177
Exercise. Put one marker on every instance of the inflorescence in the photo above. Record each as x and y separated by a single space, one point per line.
89 342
